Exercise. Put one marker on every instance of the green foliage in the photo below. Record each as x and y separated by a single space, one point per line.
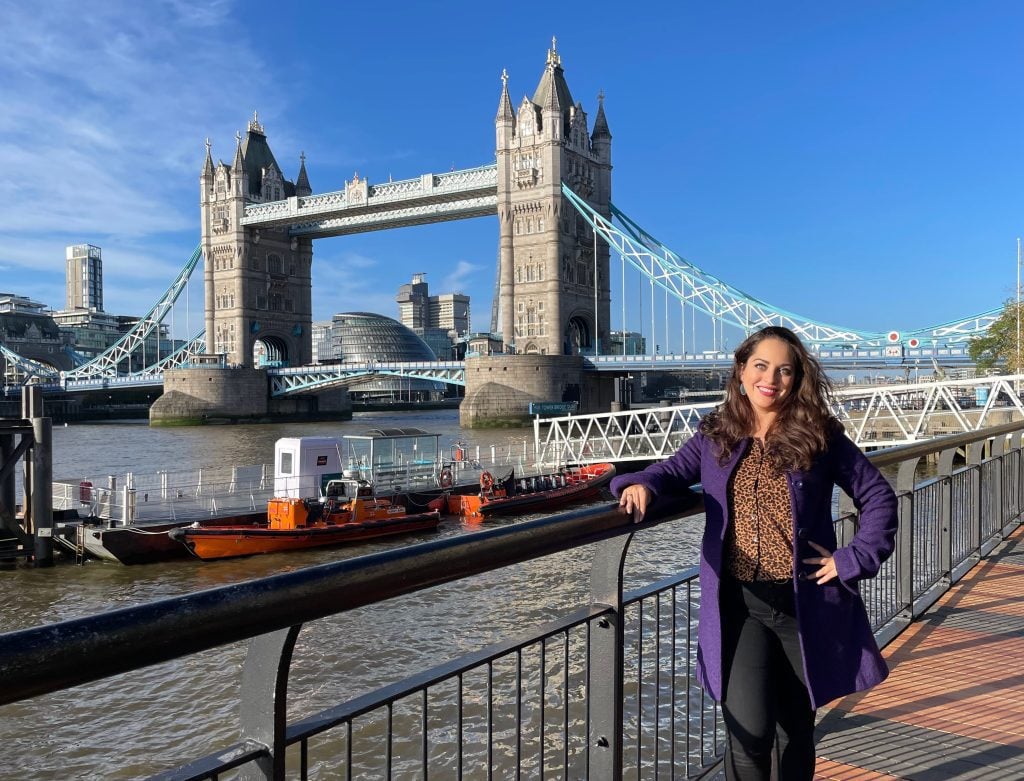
1001 345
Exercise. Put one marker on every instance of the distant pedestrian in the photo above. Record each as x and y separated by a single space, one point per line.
783 629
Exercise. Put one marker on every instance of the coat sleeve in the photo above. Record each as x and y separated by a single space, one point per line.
875 501
673 476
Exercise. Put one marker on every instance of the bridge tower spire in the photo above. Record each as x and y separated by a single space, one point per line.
548 269
258 293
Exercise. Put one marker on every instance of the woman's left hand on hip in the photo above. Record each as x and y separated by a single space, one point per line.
827 565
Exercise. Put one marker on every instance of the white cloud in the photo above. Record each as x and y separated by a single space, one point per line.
105 109
459 279
344 283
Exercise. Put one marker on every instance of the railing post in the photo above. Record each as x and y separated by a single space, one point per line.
605 665
264 700
945 472
996 450
905 536
1015 451
973 458
42 490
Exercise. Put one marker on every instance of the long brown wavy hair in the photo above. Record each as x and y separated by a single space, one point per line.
805 421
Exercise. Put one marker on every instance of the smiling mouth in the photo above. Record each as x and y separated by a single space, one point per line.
766 391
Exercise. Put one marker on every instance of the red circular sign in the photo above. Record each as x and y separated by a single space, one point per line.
914 342
894 336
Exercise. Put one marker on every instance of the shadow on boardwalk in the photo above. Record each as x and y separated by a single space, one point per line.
953 705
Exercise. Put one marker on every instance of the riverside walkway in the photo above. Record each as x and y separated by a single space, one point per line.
953 705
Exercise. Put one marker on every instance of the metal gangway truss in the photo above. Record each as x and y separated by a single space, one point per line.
874 416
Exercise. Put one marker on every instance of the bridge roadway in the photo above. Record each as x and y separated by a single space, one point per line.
305 379
291 380
953 705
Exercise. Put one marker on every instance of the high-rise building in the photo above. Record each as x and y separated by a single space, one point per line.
441 321
413 306
84 277
321 341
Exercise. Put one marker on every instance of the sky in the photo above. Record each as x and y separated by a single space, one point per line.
859 163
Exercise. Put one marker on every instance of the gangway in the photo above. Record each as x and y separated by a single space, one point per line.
874 416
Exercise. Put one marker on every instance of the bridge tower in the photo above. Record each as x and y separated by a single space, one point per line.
548 273
257 281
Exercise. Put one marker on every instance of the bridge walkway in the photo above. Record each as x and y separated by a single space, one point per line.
953 705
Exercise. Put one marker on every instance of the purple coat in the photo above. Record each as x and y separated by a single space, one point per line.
840 654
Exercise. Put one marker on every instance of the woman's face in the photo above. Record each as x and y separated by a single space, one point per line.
768 375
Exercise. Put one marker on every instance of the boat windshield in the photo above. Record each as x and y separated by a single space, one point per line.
393 457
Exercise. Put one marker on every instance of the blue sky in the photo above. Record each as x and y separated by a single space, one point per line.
858 163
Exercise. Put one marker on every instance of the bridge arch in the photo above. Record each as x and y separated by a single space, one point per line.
269 350
579 334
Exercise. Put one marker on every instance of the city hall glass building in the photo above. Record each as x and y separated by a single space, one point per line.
362 337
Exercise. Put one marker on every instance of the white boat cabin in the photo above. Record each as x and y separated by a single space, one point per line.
388 460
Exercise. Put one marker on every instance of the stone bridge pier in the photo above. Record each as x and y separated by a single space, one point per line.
499 388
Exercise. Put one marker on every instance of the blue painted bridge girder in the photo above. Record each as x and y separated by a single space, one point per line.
309 379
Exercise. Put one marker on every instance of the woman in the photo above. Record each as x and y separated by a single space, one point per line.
783 629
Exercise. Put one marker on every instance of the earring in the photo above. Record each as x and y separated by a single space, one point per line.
743 391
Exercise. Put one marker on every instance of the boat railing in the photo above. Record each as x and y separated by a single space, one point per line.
181 495
603 690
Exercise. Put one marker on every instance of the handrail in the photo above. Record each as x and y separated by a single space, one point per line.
894 455
45 659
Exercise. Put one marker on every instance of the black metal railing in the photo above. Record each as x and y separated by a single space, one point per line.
606 690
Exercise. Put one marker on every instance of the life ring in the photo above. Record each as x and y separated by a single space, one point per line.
486 482
446 478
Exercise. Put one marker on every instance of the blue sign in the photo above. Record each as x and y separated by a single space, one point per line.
553 407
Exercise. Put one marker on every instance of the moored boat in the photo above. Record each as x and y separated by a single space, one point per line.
348 514
514 496
128 520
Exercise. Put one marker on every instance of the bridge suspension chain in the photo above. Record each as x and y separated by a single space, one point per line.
728 305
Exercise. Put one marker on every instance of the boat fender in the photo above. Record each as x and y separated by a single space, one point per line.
445 479
486 482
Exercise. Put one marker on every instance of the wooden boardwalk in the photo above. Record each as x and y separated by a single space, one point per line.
953 705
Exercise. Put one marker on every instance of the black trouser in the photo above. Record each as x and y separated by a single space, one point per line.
766 705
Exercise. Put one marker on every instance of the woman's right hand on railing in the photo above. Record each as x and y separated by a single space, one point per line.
634 500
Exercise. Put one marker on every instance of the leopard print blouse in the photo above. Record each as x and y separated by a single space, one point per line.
759 541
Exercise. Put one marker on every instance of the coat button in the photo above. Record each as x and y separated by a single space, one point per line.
801 534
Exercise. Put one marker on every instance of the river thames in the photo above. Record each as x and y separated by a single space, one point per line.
157 718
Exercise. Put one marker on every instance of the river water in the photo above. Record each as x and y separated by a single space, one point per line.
162 716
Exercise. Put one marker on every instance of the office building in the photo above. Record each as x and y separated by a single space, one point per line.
84 277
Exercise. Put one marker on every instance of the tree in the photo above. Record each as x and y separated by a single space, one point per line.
1000 344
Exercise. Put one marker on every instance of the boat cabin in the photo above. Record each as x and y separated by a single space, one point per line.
387 460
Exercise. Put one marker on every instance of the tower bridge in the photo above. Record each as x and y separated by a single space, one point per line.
558 232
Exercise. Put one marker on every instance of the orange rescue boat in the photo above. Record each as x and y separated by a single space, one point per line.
538 493
295 524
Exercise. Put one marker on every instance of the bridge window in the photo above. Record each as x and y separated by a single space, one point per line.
288 306
274 264
255 262
540 224
261 302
